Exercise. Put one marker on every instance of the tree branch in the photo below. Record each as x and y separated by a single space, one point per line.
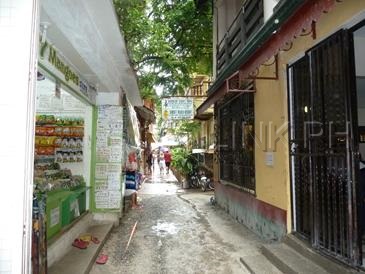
147 58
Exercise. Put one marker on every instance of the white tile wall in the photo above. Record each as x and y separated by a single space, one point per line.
5 248
5 256
6 7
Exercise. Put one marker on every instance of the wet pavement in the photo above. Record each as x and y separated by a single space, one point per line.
177 231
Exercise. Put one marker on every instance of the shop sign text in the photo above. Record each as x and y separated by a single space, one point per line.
54 59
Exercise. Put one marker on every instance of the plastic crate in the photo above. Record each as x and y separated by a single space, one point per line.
81 199
54 213
68 214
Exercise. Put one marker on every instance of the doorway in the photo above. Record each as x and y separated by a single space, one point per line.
323 147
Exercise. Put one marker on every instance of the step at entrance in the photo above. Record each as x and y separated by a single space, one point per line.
81 260
289 261
259 264
305 250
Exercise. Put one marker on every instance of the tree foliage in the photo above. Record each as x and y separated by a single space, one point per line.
190 128
168 40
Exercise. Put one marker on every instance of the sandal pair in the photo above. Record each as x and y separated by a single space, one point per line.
83 242
80 244
102 259
89 238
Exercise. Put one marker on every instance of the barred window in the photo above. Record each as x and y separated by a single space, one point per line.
236 142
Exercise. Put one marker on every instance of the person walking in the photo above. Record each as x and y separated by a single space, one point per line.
168 159
149 162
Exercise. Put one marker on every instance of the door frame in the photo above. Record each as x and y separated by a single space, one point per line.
352 149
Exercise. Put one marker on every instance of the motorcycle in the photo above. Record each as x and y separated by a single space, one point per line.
205 182
194 180
198 179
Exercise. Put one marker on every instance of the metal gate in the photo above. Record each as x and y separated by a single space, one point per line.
322 147
236 142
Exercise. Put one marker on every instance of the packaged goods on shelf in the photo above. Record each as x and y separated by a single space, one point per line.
55 135
46 178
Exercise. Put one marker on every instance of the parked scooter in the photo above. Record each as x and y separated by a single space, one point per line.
194 180
205 182
198 179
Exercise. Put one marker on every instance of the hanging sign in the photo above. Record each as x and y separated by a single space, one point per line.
177 108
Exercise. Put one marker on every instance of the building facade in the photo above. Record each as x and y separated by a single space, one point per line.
288 101
203 141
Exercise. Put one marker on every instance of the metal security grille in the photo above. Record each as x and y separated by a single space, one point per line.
300 115
322 148
236 142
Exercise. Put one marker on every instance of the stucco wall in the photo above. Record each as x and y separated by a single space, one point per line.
271 137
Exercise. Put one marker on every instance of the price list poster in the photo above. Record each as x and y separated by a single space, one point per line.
108 159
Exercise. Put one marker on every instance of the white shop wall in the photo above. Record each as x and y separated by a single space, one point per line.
67 106
18 32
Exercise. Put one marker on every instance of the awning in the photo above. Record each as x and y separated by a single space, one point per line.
287 23
204 116
88 33
146 114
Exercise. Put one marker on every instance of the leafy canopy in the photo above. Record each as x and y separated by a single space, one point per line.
168 40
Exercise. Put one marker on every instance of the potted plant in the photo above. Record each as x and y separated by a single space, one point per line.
183 163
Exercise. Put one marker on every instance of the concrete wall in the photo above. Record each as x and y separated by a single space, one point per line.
264 219
271 116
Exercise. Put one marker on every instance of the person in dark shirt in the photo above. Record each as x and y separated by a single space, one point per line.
149 162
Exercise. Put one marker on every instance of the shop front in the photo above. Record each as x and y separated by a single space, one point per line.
62 152
63 61
79 146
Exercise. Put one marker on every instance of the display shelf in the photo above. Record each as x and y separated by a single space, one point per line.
64 149
44 158
61 137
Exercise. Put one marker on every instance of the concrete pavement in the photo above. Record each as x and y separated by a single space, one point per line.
178 231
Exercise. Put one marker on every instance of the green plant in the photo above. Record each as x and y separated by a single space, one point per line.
183 161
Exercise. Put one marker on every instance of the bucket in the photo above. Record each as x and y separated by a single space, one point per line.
185 184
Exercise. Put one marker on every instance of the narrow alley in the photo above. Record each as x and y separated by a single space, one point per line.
177 232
